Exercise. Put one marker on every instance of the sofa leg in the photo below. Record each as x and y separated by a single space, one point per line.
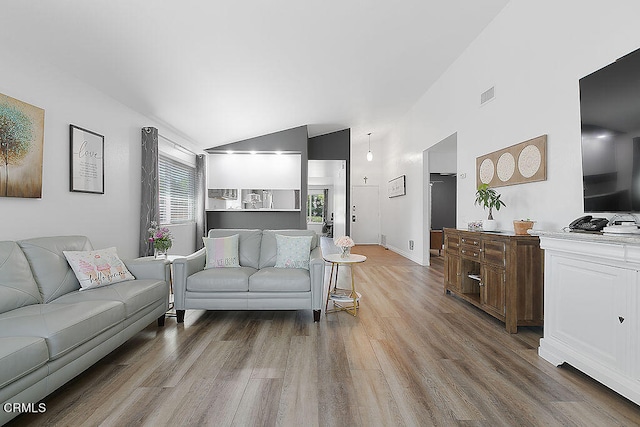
161 320
316 315
180 316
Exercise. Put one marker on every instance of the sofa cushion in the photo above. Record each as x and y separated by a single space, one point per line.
97 268
220 279
63 326
49 266
19 356
134 294
272 279
18 288
222 252
269 247
292 251
249 242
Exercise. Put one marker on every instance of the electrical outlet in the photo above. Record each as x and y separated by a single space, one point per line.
410 244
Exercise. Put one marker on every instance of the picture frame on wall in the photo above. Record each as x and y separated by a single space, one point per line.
87 161
397 186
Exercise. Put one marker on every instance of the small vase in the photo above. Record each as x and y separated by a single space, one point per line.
489 225
346 251
160 253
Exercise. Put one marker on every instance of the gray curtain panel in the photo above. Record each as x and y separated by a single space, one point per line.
149 205
201 191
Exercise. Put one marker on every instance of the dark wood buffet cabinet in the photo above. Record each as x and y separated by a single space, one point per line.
500 273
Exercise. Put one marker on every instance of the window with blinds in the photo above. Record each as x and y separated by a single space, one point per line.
177 191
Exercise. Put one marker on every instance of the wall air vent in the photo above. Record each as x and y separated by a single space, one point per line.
487 95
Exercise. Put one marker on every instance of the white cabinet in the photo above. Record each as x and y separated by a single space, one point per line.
253 171
591 309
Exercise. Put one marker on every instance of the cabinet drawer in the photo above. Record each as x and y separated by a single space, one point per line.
451 242
470 241
470 252
495 252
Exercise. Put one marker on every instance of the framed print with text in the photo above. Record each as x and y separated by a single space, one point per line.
87 161
397 186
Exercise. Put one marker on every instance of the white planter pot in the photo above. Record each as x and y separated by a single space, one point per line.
489 225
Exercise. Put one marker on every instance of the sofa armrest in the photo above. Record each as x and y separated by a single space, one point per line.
316 273
182 269
149 268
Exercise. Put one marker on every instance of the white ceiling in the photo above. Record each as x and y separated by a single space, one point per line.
222 71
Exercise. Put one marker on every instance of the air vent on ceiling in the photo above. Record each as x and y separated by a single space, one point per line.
487 95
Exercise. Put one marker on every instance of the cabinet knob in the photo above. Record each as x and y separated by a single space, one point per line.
480 284
621 319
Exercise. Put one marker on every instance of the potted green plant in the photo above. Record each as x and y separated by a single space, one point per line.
488 198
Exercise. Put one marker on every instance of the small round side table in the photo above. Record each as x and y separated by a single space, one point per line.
343 299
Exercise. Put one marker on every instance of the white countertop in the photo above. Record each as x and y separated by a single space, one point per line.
630 239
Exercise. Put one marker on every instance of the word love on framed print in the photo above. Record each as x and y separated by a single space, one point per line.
87 161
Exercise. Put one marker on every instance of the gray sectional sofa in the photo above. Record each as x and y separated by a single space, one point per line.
257 284
50 330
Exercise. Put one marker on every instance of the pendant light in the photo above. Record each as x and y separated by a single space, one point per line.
369 153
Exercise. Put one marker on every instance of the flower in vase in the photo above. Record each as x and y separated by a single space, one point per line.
160 237
344 242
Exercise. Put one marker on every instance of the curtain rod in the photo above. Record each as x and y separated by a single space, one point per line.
178 146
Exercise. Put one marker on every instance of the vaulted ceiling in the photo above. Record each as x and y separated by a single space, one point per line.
221 71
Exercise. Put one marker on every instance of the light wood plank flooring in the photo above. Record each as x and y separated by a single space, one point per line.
413 356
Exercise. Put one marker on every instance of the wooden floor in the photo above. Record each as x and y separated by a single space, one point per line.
413 356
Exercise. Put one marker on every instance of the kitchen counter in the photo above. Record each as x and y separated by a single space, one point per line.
253 210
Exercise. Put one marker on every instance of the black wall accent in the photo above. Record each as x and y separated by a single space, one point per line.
443 201
295 139
335 146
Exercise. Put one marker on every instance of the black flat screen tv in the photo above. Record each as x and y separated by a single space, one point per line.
610 125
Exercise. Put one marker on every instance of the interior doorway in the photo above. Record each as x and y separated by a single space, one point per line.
328 177
440 193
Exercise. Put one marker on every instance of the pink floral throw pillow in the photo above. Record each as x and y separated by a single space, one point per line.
97 268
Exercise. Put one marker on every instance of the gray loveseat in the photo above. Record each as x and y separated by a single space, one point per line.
50 331
257 284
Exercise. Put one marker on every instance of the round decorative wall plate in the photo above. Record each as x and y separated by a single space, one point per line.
487 170
506 167
529 161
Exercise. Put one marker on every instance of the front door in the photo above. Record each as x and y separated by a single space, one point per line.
365 214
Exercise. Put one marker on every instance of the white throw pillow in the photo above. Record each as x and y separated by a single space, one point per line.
293 251
221 251
97 268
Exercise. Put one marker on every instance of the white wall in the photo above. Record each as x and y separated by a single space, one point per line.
534 53
111 219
